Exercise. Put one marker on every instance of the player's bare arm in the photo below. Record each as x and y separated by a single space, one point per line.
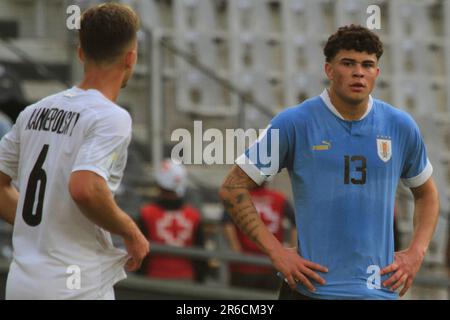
93 197
236 198
8 199
407 262
293 236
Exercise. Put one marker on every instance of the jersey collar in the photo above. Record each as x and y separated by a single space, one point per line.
76 90
326 99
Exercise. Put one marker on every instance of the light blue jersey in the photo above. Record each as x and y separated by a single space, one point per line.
344 176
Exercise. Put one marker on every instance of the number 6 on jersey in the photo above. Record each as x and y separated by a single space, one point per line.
37 175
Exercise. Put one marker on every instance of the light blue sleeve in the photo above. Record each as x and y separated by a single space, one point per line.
272 151
416 168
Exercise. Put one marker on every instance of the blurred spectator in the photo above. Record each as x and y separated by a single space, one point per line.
273 208
170 221
5 124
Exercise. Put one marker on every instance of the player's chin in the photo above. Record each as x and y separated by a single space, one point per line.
357 97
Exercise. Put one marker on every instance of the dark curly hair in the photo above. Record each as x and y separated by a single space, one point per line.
353 37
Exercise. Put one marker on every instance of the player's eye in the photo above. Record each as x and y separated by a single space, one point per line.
368 65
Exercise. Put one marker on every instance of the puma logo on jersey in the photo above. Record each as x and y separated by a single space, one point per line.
326 145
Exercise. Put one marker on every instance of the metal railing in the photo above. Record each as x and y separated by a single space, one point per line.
222 255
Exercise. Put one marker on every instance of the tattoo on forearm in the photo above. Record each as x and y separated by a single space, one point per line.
243 214
235 187
244 209
232 180
240 197
238 180
237 219
249 222
227 204
238 203
253 236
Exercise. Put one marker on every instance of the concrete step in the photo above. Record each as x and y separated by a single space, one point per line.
43 50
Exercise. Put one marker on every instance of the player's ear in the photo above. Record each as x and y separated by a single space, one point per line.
131 56
328 70
130 59
80 54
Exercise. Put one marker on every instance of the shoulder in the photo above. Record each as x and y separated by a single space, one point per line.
46 101
299 113
43 103
107 109
395 116
51 98
118 117
109 116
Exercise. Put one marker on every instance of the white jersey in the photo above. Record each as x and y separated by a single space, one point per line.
58 252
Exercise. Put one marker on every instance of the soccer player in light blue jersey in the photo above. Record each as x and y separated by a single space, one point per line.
345 153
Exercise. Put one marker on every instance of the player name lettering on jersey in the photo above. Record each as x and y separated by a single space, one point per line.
54 120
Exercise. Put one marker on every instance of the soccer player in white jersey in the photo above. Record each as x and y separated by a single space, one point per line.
345 153
66 154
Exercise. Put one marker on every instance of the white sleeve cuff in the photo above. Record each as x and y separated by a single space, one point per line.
9 172
250 169
96 170
421 178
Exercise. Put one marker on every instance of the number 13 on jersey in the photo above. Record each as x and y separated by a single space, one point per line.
359 163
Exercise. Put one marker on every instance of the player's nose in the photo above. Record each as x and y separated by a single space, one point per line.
358 71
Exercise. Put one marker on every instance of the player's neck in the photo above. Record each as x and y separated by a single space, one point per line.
108 82
349 111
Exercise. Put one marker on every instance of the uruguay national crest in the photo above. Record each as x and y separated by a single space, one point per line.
384 148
